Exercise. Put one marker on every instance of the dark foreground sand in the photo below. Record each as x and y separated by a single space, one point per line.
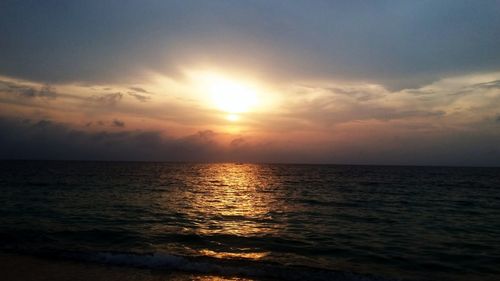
25 268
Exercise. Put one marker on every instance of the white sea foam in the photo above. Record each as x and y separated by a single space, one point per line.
220 267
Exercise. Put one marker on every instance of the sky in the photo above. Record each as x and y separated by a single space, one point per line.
341 82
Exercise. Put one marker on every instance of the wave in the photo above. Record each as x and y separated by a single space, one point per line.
210 265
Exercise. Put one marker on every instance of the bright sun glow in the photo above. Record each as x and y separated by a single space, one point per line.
229 95
233 117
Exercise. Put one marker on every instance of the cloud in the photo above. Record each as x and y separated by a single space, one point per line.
139 97
326 106
449 121
458 102
140 90
118 123
140 94
238 142
488 85
46 139
28 91
107 99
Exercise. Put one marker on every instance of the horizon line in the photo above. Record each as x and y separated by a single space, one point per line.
246 163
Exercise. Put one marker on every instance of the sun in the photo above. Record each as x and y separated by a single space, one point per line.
231 96
232 117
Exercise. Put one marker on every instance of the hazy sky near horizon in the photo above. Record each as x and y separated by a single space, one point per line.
361 82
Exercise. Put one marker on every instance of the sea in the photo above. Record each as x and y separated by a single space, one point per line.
257 221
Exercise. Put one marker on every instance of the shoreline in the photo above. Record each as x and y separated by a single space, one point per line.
14 267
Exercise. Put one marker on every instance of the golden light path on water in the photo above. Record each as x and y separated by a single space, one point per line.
234 202
227 200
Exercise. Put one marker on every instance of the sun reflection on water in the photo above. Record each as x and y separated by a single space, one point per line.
234 196
233 199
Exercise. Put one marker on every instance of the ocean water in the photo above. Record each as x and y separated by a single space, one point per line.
269 221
